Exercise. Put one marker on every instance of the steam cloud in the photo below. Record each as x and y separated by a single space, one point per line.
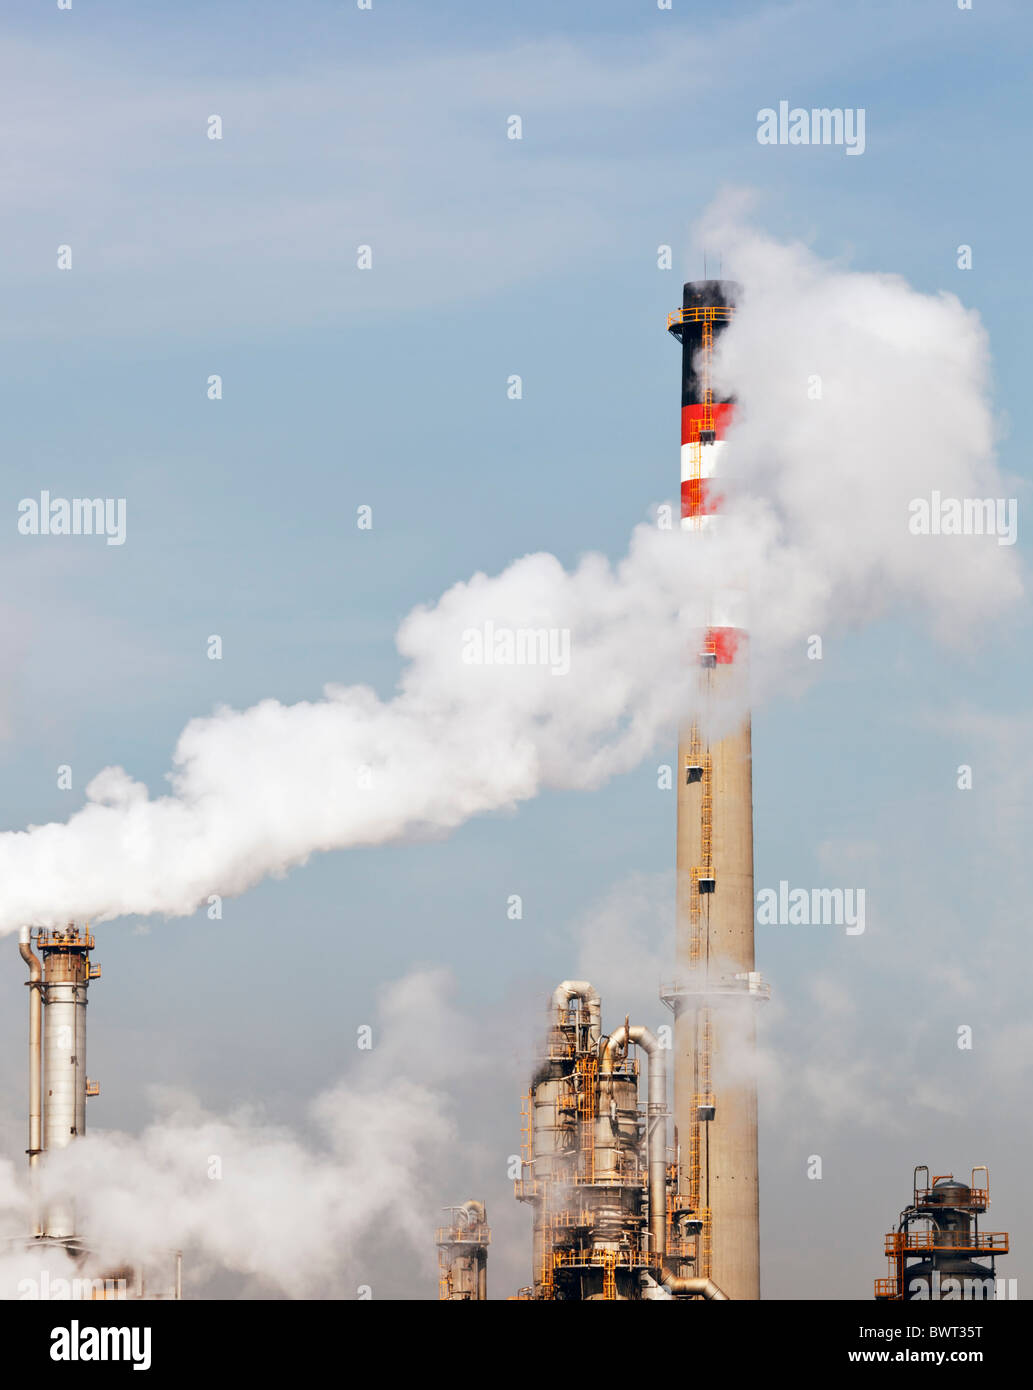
287 1212
816 533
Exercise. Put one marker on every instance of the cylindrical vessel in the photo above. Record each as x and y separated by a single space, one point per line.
66 973
64 1051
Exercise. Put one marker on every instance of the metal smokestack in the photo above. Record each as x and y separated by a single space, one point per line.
713 999
58 1091
58 1086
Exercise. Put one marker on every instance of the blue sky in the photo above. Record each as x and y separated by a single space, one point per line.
387 388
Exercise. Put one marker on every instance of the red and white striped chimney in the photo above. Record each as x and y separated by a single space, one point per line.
714 997
707 308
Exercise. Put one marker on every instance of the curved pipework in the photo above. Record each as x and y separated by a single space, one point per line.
700 1288
656 1121
579 989
470 1214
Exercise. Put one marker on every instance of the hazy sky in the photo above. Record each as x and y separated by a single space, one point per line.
387 388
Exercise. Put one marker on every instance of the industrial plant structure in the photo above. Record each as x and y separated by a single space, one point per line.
607 1217
59 1088
937 1251
463 1255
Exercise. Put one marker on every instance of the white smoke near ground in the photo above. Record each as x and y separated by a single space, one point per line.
817 534
298 1215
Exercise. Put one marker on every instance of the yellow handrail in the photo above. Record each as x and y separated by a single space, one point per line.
710 313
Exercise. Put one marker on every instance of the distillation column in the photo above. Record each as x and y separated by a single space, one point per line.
714 997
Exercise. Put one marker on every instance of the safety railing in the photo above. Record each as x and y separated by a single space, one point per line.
463 1235
709 313
908 1242
977 1197
72 938
625 1259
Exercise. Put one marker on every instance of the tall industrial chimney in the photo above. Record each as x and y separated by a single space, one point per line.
58 1086
58 1091
713 998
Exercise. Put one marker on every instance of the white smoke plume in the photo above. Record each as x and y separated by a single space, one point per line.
817 534
292 1214
904 409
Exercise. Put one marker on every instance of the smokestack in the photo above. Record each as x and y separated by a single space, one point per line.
58 991
715 1094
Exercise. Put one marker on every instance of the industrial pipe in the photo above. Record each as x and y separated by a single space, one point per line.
579 989
470 1214
576 990
705 1288
35 1044
35 1061
656 1121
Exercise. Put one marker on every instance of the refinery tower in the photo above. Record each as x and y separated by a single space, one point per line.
716 991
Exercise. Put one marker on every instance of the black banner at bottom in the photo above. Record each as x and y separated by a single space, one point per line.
168 1338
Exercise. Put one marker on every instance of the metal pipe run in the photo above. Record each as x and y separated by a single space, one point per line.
579 989
35 1058
699 1288
35 1044
656 1121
